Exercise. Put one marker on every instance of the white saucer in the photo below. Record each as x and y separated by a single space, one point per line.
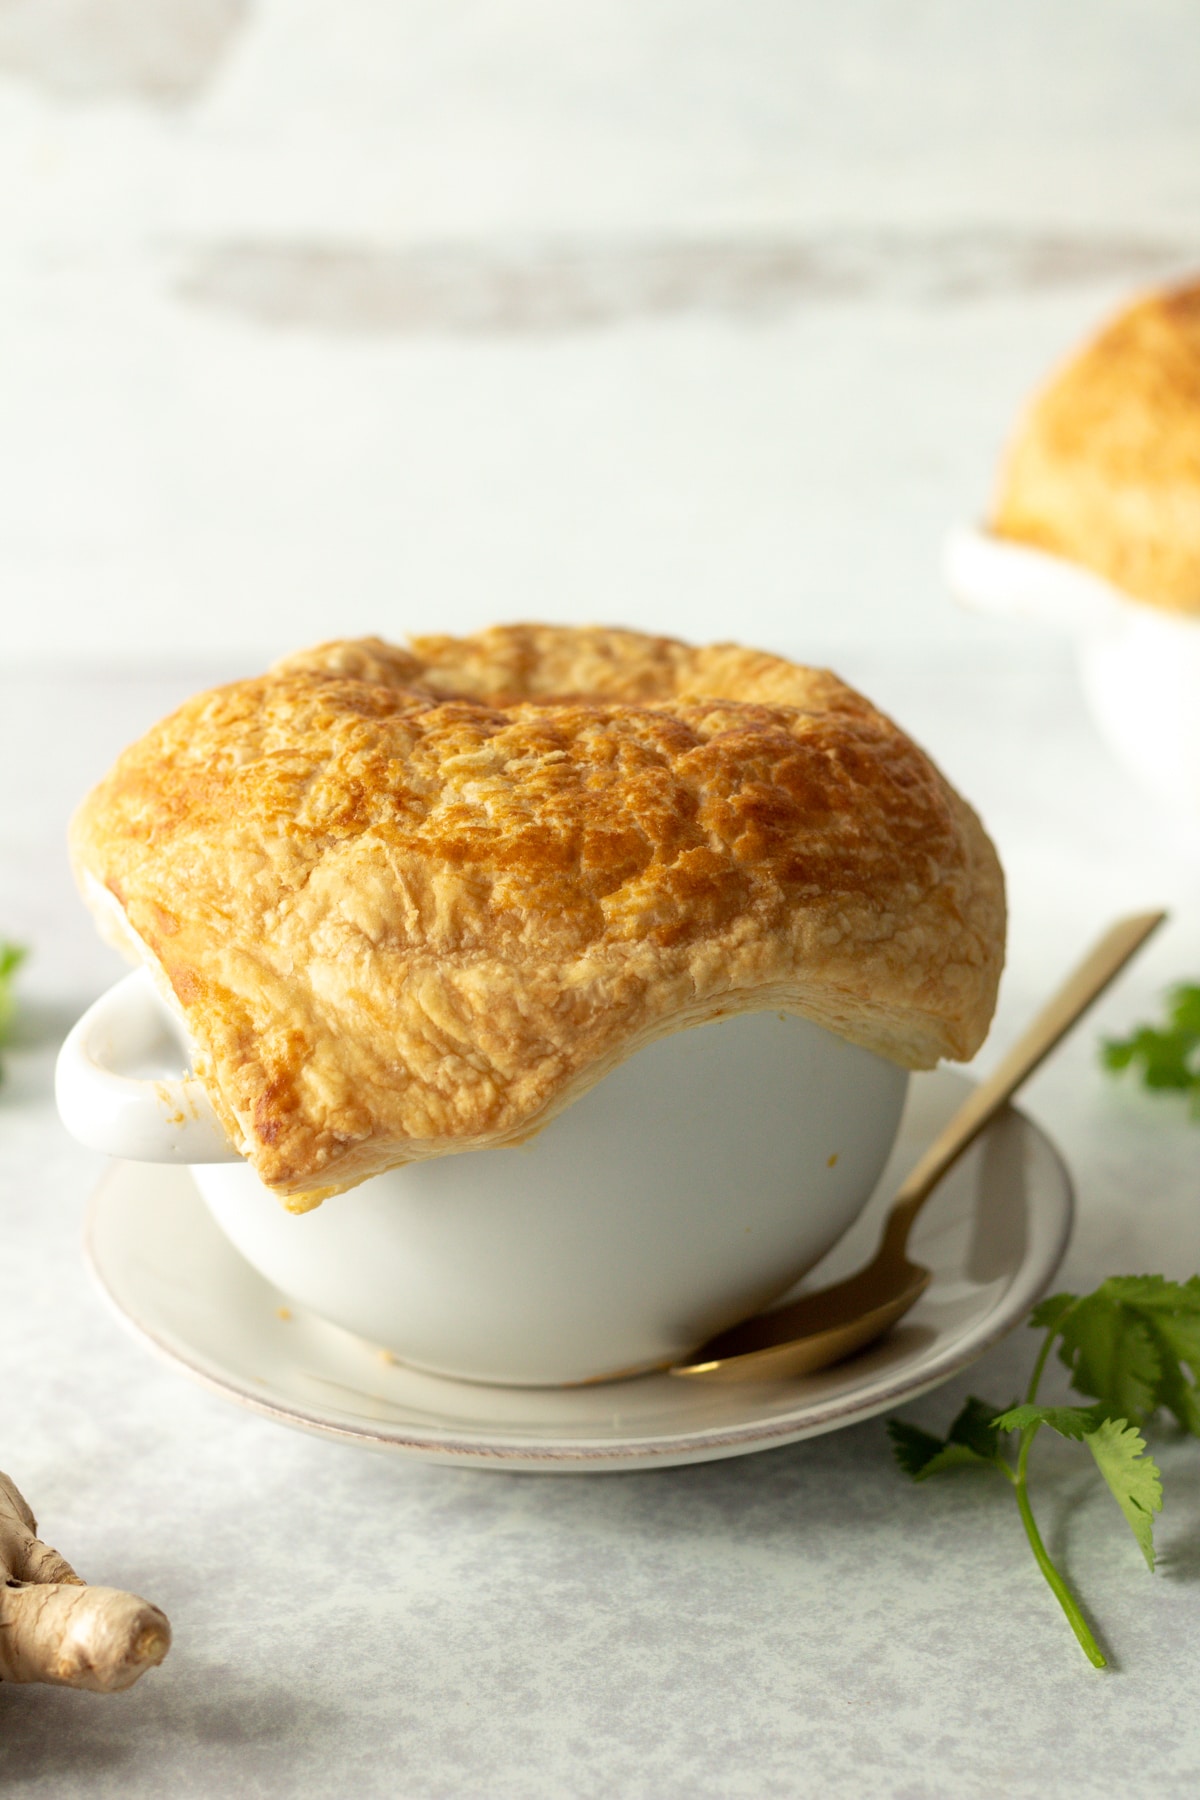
994 1235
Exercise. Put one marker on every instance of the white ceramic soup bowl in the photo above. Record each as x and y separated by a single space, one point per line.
692 1185
1139 665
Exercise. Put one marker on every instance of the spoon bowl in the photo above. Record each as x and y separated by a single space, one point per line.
814 1331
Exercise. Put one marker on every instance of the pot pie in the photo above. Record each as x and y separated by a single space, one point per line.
1105 469
413 901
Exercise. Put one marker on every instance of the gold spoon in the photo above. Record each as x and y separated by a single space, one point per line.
823 1327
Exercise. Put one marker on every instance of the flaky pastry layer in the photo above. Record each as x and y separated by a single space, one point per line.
412 901
1105 468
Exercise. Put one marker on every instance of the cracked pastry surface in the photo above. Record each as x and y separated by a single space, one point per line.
415 900
1105 468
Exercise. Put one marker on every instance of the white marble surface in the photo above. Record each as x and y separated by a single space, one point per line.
328 317
796 1622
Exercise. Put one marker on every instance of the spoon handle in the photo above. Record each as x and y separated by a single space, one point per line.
1083 986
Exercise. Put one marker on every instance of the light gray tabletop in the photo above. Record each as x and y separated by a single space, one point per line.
793 1622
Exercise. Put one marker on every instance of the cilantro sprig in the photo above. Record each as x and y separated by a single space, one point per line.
1133 1346
1166 1057
11 958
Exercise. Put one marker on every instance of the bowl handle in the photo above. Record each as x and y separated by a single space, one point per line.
143 1117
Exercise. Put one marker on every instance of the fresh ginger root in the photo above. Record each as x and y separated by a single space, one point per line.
53 1627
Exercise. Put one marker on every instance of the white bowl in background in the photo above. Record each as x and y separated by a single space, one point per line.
1140 666
691 1186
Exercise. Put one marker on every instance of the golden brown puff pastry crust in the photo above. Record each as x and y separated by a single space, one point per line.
1105 469
415 901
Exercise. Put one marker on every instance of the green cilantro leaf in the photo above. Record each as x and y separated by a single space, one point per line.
1166 1057
1154 1293
1178 1343
913 1448
11 958
1068 1421
1110 1354
975 1429
1128 1343
1120 1453
1047 1313
971 1441
954 1456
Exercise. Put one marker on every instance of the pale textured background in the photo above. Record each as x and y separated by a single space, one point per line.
386 314
380 315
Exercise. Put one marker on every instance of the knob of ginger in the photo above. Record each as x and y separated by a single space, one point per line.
54 1627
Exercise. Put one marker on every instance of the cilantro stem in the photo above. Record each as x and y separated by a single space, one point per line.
1039 1365
1043 1358
1057 1585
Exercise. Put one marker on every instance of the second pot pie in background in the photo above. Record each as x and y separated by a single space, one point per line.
414 901
1105 466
